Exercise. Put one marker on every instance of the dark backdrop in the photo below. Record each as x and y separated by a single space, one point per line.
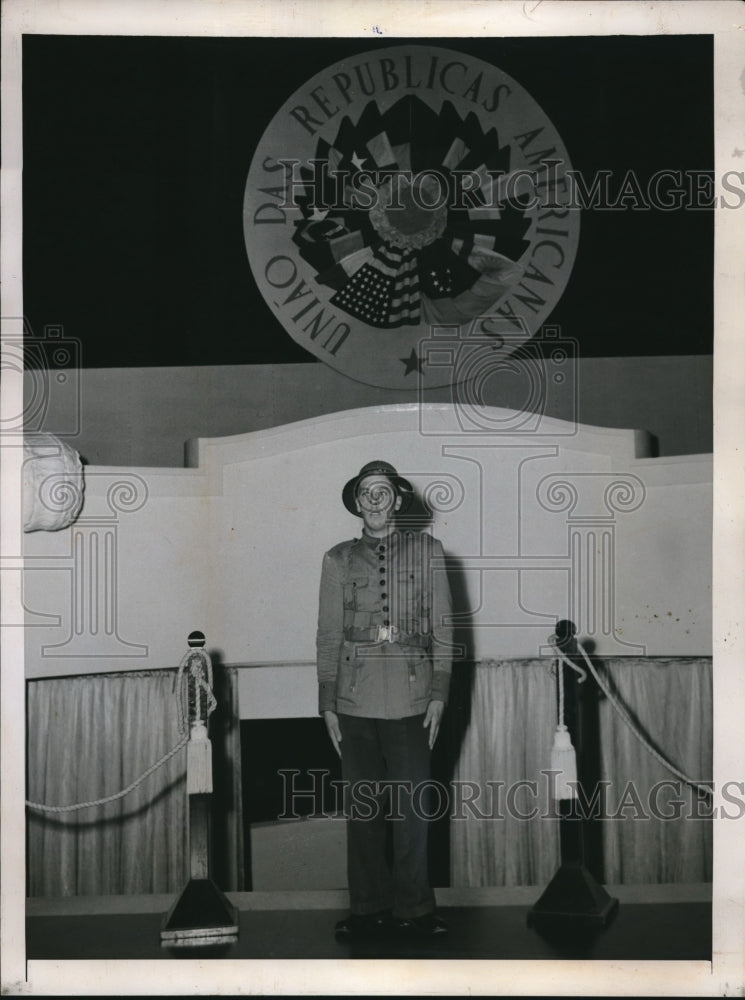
136 152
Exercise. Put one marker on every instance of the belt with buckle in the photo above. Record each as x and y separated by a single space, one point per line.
386 633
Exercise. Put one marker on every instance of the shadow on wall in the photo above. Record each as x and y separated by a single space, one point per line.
457 716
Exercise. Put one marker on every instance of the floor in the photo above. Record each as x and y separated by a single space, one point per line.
651 923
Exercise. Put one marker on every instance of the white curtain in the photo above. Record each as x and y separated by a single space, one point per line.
91 736
507 737
671 700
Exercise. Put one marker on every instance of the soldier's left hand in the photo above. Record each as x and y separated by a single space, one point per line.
432 719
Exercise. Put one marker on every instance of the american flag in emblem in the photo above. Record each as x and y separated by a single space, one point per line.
384 293
410 253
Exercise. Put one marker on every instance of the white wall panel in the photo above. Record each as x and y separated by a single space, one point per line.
566 520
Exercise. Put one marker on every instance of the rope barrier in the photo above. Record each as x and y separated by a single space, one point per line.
705 785
196 662
201 705
117 795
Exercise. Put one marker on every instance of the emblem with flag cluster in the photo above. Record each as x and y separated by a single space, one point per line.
391 227
405 197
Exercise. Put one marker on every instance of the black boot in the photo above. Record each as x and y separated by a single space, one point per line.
428 925
365 925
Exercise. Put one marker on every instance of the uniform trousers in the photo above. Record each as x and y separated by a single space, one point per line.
383 762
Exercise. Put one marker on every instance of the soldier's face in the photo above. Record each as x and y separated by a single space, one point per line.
377 502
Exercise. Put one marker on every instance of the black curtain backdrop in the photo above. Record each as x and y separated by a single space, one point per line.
136 152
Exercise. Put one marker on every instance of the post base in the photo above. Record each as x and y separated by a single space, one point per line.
573 901
202 915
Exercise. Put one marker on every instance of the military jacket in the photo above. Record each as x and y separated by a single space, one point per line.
384 641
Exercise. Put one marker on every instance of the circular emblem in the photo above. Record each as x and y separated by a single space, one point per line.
407 203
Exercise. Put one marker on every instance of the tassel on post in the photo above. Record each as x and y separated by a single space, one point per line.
198 761
564 765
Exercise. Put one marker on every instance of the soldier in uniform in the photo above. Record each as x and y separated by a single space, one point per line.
384 648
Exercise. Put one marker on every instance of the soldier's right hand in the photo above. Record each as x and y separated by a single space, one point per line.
332 726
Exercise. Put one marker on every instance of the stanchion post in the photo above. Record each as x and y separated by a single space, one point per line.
573 902
202 915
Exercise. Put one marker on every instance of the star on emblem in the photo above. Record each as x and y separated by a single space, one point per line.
358 161
319 214
413 363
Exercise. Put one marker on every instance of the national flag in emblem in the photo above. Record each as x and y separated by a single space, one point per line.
440 282
381 296
419 257
366 295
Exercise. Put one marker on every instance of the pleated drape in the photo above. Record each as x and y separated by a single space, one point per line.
653 827
505 746
671 701
91 736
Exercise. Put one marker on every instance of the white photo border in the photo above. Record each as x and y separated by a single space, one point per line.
384 19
